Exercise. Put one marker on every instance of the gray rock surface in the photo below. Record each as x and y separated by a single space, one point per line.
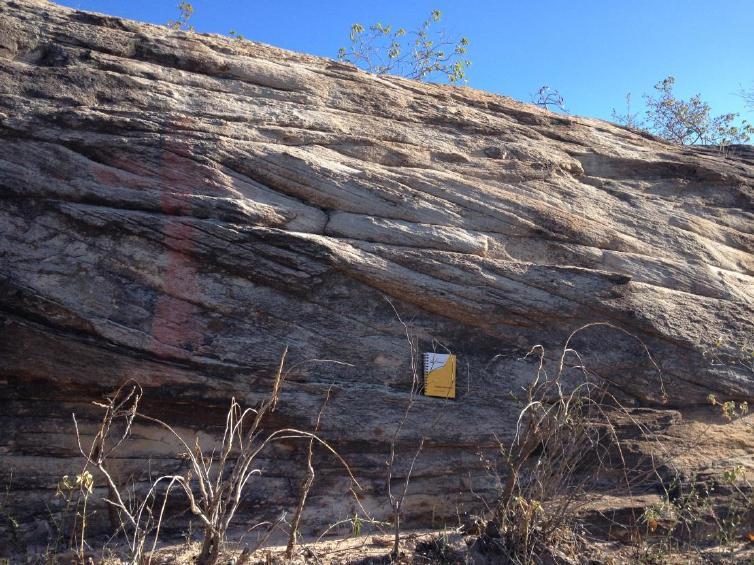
176 208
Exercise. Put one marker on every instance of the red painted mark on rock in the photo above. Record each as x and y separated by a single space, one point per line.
175 330
174 322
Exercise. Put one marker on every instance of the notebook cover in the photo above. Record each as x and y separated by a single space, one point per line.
440 375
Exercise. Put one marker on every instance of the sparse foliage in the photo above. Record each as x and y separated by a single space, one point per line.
570 436
689 122
424 54
629 119
235 35
214 484
748 96
729 409
5 515
306 485
185 11
566 439
76 494
397 498
138 515
690 510
549 98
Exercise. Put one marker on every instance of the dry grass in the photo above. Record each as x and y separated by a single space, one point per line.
570 436
213 485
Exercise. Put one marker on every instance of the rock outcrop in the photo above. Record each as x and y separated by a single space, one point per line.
176 208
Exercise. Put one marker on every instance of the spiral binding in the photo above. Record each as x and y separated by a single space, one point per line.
426 367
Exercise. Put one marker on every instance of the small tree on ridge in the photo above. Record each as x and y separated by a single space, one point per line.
423 54
690 122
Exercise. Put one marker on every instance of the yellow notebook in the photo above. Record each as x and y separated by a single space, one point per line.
440 375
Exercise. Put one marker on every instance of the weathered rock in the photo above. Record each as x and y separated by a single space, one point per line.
176 208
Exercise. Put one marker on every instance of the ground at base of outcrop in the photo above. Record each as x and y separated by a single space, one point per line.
450 547
701 444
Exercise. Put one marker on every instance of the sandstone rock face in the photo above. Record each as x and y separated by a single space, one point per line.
177 208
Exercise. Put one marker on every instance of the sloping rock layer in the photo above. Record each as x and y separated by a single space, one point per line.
177 208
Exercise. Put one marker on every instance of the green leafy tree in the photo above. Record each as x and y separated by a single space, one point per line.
185 11
689 122
425 54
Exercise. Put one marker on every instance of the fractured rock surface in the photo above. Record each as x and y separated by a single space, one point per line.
177 208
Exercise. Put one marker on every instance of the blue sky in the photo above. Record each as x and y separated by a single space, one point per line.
592 51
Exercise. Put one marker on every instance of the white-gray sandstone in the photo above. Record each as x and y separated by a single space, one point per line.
176 208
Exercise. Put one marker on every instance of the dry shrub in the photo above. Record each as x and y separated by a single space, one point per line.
215 481
306 485
135 515
566 440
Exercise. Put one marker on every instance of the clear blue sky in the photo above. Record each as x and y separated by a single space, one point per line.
593 51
